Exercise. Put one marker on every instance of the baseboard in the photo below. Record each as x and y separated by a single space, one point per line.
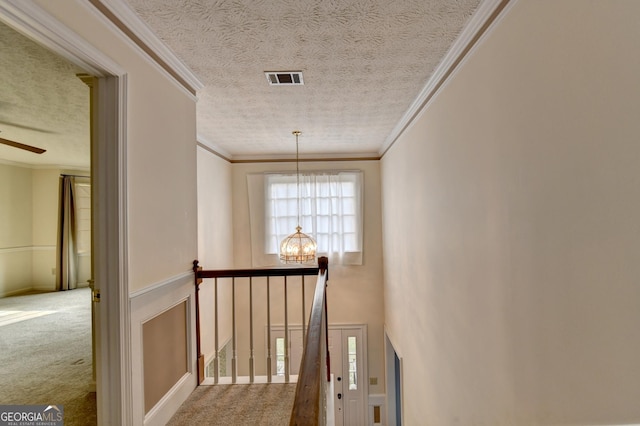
17 292
44 289
169 404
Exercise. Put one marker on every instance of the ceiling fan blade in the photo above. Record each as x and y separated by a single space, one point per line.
22 146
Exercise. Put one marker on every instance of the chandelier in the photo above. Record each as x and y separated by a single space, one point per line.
298 247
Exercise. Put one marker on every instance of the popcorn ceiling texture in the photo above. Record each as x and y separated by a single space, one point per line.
42 103
363 62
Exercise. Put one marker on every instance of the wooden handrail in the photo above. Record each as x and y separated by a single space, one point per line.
321 271
307 406
264 272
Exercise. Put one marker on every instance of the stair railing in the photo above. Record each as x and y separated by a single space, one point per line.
322 273
310 404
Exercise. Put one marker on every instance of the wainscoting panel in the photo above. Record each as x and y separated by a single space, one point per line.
163 326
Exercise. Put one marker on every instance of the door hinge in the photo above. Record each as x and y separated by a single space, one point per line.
95 292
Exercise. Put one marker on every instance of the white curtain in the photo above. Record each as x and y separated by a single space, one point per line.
330 210
67 255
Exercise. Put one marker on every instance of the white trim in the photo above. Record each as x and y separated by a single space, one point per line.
380 400
364 330
365 156
120 253
158 286
477 21
505 11
246 380
26 248
464 60
147 305
16 292
210 146
122 11
130 18
32 21
166 407
15 249
111 263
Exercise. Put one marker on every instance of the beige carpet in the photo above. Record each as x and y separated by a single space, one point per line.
237 405
45 353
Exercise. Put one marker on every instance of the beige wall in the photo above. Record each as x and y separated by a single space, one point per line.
160 191
215 244
45 195
28 229
16 234
161 154
511 234
354 292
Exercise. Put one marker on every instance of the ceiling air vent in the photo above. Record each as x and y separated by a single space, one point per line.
284 78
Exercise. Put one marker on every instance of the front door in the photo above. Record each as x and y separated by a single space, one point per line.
347 368
347 352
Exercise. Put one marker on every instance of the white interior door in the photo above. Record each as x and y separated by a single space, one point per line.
335 353
347 353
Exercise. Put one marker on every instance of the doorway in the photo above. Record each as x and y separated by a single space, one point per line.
348 352
45 109
108 166
394 384
347 349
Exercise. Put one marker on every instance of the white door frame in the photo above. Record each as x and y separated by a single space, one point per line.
276 329
114 400
365 367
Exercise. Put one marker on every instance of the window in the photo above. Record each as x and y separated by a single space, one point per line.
353 363
83 216
329 206
280 356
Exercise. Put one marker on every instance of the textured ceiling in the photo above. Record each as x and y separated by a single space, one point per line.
42 103
364 62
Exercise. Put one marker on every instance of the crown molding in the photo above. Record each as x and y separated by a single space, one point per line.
246 159
480 22
309 158
120 14
34 22
206 144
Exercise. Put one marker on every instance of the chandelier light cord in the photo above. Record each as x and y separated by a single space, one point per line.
297 133
298 247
